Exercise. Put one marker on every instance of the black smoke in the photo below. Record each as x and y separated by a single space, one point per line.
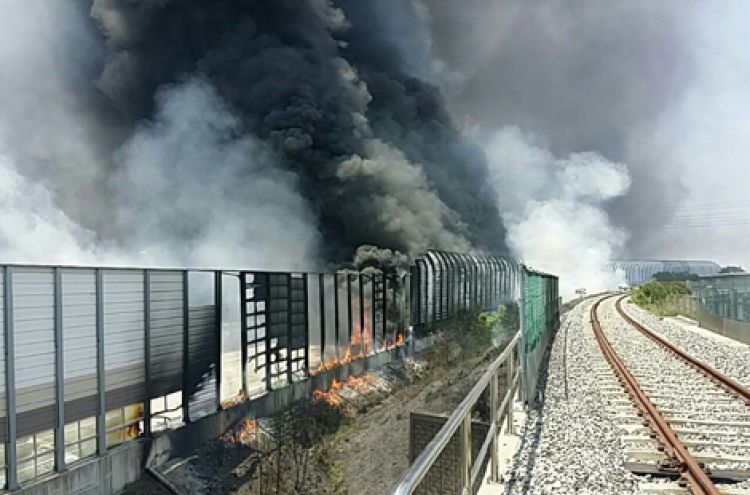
582 75
335 97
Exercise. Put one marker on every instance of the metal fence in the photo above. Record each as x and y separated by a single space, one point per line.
522 358
93 357
96 356
445 283
469 467
727 296
637 272
540 318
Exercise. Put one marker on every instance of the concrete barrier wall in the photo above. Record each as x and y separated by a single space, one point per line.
737 330
109 474
104 475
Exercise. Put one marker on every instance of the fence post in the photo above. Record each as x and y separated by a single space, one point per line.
101 426
362 329
322 302
289 336
147 351
511 371
59 376
522 319
306 296
243 333
337 319
350 316
185 346
218 315
11 457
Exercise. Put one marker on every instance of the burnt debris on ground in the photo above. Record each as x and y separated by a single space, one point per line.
352 438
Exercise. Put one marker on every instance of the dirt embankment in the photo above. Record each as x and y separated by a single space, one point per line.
353 440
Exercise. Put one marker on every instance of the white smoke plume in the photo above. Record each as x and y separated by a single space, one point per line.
554 209
49 163
66 198
33 228
195 191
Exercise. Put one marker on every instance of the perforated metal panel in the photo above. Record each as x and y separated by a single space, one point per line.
274 308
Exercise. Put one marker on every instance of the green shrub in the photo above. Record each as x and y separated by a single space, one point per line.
661 297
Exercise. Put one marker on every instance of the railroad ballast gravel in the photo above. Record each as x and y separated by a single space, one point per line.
685 394
570 443
732 359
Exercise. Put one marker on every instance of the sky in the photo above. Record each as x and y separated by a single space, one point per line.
564 133
710 129
659 87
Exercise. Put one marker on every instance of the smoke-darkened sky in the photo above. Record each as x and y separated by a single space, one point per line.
272 133
656 86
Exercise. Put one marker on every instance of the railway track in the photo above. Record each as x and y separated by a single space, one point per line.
681 419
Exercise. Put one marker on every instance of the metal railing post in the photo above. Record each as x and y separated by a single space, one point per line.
243 330
322 319
466 453
494 420
511 372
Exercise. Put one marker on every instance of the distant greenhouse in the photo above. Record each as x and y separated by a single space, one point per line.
638 272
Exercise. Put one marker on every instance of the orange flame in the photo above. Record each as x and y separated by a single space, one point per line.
233 401
361 384
244 433
359 332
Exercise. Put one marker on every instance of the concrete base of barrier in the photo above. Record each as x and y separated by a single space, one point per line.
737 330
109 474
104 475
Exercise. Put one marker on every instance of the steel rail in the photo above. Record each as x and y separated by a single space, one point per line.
730 385
698 482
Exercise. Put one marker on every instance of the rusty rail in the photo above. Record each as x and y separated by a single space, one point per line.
697 480
731 386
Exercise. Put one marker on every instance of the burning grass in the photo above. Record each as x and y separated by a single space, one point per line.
361 346
361 385
246 432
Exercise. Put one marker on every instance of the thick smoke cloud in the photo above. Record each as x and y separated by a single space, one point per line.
376 150
553 209
169 186
223 133
582 76
47 127
209 131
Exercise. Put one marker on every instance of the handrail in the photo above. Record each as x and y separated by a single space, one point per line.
461 419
